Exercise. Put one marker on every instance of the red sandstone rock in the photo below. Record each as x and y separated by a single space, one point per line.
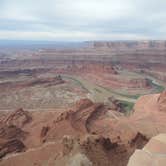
11 140
139 141
162 102
81 118
149 116
10 132
18 118
103 136
83 104
11 146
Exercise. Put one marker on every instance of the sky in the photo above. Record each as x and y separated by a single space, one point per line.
82 20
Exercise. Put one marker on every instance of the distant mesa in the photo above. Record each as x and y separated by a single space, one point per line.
129 44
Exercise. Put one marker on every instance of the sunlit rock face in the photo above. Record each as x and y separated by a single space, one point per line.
153 152
162 102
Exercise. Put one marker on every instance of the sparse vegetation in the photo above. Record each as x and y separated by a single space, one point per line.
128 106
77 81
136 96
158 88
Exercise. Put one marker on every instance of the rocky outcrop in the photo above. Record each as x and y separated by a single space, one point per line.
87 134
18 118
139 141
81 119
116 105
11 140
11 146
81 116
11 131
153 153
44 132
149 116
83 104
97 149
162 102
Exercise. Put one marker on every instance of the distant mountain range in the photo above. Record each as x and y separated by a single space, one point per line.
39 44
119 44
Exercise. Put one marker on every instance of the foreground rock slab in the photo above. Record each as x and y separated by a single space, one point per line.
154 153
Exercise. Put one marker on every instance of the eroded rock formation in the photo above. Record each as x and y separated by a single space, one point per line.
162 102
11 133
18 118
88 134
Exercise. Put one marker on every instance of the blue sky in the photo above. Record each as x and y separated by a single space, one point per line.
79 20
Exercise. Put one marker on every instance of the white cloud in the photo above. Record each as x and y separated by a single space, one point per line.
81 19
69 9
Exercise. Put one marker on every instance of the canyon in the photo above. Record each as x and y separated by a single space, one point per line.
88 133
122 69
96 104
